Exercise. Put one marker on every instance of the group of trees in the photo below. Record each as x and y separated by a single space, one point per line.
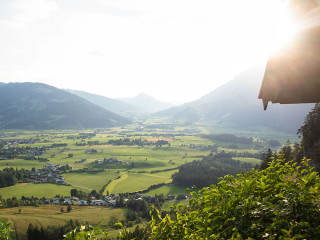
128 141
11 176
308 148
310 131
279 202
207 171
229 138
51 232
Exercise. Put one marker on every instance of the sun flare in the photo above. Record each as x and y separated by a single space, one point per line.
284 31
282 28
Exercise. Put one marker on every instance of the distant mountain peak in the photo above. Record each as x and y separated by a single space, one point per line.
147 103
41 106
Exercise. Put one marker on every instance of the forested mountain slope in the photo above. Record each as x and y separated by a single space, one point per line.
40 106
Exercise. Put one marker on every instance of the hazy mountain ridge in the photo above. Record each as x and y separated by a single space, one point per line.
110 104
236 104
40 106
146 103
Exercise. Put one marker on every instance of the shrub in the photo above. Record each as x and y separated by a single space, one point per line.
280 202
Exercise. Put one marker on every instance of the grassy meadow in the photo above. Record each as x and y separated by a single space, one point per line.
45 215
135 173
37 190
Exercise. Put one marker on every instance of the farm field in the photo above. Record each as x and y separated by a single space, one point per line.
86 153
45 215
21 163
166 190
90 180
37 190
106 162
133 182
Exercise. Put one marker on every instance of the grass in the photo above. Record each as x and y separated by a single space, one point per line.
90 180
253 161
111 187
132 182
50 215
36 190
140 159
21 163
166 190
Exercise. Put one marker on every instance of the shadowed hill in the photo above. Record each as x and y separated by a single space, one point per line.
40 106
236 104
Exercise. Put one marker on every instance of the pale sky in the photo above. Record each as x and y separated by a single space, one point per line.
174 50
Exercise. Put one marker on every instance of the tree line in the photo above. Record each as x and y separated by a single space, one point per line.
207 171
11 176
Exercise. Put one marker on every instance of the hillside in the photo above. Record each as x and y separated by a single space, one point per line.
110 104
146 103
40 106
236 104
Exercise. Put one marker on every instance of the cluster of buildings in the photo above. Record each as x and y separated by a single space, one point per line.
107 201
16 142
91 151
13 149
47 174
110 160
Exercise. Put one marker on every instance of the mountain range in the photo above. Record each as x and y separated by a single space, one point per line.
142 103
233 105
110 104
40 106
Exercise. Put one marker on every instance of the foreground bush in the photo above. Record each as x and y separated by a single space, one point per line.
280 202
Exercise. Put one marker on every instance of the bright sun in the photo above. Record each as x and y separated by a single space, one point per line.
283 31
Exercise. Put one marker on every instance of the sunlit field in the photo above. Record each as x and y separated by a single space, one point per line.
45 215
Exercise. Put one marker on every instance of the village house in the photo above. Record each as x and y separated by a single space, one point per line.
98 202
70 200
56 201
82 203
170 197
112 202
91 151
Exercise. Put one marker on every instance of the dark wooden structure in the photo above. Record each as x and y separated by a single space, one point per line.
293 75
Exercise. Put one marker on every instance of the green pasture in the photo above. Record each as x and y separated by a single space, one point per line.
21 163
166 190
90 180
37 190
45 215
132 182
253 161
140 159
144 158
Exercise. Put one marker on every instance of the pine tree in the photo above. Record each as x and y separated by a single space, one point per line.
310 132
